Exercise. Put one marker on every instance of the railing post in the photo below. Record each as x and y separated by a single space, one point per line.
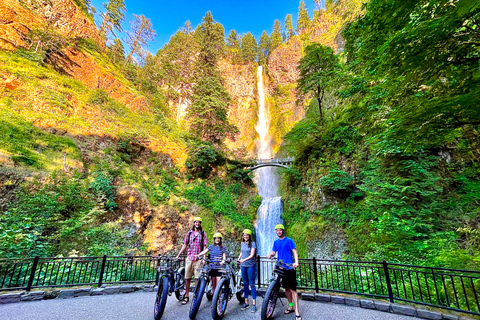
32 273
102 270
387 277
258 271
315 273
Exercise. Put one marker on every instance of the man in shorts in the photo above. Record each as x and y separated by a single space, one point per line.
287 251
194 242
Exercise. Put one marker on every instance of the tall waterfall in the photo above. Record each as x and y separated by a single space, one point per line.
269 212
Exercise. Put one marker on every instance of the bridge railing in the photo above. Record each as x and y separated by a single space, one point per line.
451 289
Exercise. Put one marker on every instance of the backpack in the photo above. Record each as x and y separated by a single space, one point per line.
188 238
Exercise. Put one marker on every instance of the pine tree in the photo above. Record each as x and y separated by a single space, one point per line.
140 35
208 112
303 21
113 17
264 44
177 68
289 27
117 51
210 37
249 48
232 40
276 37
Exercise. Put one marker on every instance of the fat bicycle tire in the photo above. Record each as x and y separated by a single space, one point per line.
197 297
180 285
240 293
220 299
270 300
161 299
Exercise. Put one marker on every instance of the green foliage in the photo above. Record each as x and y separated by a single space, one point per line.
201 160
103 189
337 181
98 96
58 215
30 146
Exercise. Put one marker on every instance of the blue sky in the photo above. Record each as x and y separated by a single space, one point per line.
241 15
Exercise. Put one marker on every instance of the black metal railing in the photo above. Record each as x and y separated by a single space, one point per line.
451 289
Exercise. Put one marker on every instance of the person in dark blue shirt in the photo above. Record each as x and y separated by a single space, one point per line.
287 251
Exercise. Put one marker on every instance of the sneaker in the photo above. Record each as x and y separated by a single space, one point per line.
245 306
254 308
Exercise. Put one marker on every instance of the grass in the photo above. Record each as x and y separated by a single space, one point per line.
51 100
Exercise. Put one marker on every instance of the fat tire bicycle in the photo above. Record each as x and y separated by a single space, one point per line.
273 290
203 284
230 283
170 280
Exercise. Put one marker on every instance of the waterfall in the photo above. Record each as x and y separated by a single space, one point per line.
270 211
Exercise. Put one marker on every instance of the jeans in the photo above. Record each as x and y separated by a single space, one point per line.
248 276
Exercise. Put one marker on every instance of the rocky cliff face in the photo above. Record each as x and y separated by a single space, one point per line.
240 82
17 19
283 75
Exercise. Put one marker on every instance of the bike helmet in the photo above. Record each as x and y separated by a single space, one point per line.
197 219
247 231
217 235
279 226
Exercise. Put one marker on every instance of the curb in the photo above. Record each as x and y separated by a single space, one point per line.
20 296
400 309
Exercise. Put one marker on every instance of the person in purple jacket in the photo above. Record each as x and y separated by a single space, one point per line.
195 242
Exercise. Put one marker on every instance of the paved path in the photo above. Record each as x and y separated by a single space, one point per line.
139 305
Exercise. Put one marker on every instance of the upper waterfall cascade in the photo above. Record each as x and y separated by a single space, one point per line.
270 211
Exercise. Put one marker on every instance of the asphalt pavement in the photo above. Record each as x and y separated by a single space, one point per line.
139 305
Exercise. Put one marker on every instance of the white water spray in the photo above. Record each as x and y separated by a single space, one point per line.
270 211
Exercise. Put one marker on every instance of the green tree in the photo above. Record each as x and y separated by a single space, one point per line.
142 32
232 40
117 52
319 69
210 37
249 48
233 46
289 27
177 69
113 17
208 112
276 36
264 44
303 20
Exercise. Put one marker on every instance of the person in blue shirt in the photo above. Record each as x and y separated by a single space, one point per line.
287 251
218 255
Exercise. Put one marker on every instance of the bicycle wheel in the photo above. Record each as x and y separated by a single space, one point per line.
197 297
240 292
270 300
220 299
161 300
180 284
